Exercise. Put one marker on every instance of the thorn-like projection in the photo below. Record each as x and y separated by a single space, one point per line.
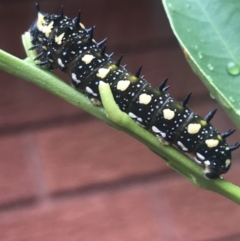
110 55
186 99
101 43
166 88
119 60
34 47
138 72
234 146
38 7
227 133
142 77
210 115
124 66
39 56
77 19
162 85
89 29
61 12
42 63
103 50
91 34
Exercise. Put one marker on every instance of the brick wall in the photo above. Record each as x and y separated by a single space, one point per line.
65 175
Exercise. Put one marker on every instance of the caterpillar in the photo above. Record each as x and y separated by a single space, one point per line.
66 44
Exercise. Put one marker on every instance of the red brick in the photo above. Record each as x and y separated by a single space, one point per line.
117 215
197 214
29 104
91 153
16 177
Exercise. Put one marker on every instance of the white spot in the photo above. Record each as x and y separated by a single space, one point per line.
207 169
156 130
200 156
90 91
227 163
139 119
193 128
87 58
102 73
196 160
207 163
61 63
58 39
123 84
132 115
168 114
212 143
182 146
145 99
74 78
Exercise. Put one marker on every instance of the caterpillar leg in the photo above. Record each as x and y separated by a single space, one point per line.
162 141
95 102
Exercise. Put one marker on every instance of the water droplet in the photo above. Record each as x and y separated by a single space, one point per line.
212 96
188 6
238 112
210 67
233 68
231 99
195 46
193 179
200 55
189 30
171 7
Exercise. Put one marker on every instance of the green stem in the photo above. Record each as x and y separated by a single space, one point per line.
25 69
176 160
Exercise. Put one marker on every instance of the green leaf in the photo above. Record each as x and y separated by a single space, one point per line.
208 32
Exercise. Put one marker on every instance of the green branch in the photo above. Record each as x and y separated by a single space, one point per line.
112 115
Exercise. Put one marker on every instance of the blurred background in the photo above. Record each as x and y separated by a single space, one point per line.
65 175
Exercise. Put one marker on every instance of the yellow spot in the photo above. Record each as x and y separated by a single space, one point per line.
48 29
82 26
102 73
44 47
40 22
42 26
123 84
227 163
145 99
58 39
227 148
211 143
87 58
193 128
168 114
219 137
203 123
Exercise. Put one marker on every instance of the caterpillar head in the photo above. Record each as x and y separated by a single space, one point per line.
44 23
216 161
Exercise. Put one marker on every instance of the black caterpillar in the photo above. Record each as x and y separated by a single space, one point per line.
66 44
